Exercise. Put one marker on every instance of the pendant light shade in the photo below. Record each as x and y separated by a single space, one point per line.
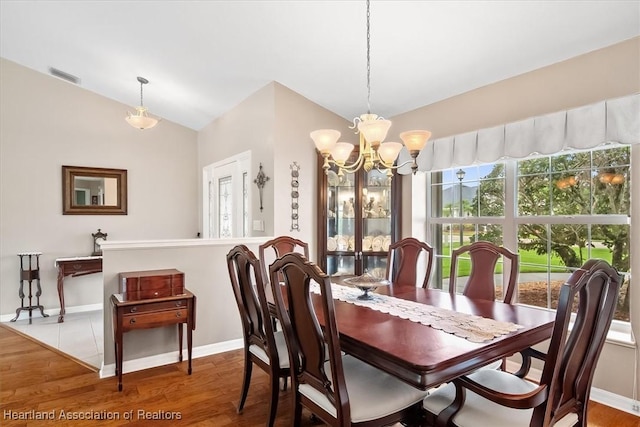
140 119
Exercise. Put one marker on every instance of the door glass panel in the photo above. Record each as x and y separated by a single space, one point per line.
225 204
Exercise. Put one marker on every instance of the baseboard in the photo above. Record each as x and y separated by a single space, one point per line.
54 312
169 358
616 401
605 397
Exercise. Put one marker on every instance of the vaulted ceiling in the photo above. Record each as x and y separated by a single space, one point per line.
204 57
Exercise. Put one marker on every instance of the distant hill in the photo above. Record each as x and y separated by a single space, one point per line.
452 194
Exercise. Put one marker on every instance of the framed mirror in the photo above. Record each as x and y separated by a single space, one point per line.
94 191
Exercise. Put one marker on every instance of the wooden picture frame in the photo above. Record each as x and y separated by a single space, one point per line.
84 186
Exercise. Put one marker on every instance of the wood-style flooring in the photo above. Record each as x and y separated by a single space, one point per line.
39 381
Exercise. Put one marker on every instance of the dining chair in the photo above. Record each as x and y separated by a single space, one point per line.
263 346
272 249
404 262
337 388
501 399
484 257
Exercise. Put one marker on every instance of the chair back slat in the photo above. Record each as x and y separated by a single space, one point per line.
572 355
403 260
273 249
484 257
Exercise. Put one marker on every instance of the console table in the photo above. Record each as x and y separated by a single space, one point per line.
151 299
77 266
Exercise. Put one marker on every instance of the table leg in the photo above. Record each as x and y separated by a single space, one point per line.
119 352
180 342
190 326
61 294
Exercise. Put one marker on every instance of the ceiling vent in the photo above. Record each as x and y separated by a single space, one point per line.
64 76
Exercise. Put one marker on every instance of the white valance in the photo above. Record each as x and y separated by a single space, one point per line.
612 121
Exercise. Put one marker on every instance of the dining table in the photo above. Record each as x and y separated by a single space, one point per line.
423 355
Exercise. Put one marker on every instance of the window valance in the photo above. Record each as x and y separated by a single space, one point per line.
611 121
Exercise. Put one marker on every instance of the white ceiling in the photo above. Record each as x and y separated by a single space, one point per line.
204 57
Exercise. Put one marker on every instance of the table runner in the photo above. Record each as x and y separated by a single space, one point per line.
473 328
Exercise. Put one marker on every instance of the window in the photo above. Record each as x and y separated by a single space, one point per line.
557 210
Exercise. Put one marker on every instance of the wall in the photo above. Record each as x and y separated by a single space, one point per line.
45 123
203 262
603 74
274 123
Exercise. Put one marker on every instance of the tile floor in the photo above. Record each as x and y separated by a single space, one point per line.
80 335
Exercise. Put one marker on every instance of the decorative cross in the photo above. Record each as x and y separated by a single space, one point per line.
260 181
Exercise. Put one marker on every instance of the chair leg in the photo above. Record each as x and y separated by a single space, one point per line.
284 384
273 401
297 409
248 366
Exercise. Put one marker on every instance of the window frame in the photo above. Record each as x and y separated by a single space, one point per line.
620 331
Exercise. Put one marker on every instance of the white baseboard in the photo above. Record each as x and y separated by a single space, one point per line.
170 357
613 400
54 312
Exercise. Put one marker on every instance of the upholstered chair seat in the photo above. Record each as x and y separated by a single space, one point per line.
477 408
373 394
281 347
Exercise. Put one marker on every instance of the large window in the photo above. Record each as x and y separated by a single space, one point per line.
558 211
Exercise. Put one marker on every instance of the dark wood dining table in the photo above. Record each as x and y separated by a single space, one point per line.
424 356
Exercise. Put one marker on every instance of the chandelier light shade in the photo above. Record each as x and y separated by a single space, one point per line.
373 152
140 119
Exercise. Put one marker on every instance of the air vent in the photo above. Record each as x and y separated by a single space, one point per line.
64 76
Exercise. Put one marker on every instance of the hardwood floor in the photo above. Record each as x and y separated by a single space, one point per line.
36 380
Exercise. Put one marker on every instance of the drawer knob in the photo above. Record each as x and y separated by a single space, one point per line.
179 304
133 320
155 294
178 314
134 309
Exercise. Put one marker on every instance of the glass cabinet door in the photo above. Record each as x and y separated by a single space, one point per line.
377 232
341 223
358 218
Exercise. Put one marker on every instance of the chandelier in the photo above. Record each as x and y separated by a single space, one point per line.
140 119
373 152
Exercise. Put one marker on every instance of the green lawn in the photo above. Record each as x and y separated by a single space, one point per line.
530 261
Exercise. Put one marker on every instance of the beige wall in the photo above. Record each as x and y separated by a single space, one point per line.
46 123
274 123
603 74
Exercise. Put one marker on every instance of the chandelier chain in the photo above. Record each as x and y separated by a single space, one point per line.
141 104
368 61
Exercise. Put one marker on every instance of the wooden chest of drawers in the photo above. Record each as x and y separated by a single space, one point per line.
153 305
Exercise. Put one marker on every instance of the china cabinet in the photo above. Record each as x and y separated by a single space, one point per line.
358 218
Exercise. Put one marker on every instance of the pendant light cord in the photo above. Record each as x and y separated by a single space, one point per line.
141 104
368 60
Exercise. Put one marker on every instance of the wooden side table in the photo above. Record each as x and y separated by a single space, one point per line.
29 274
135 313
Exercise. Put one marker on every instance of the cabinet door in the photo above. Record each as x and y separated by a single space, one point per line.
377 225
341 223
358 218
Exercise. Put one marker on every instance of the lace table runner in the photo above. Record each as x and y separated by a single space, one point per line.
473 328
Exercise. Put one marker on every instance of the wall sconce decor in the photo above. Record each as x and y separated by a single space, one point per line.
260 181
295 184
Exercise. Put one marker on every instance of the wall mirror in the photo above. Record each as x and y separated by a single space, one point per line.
94 191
